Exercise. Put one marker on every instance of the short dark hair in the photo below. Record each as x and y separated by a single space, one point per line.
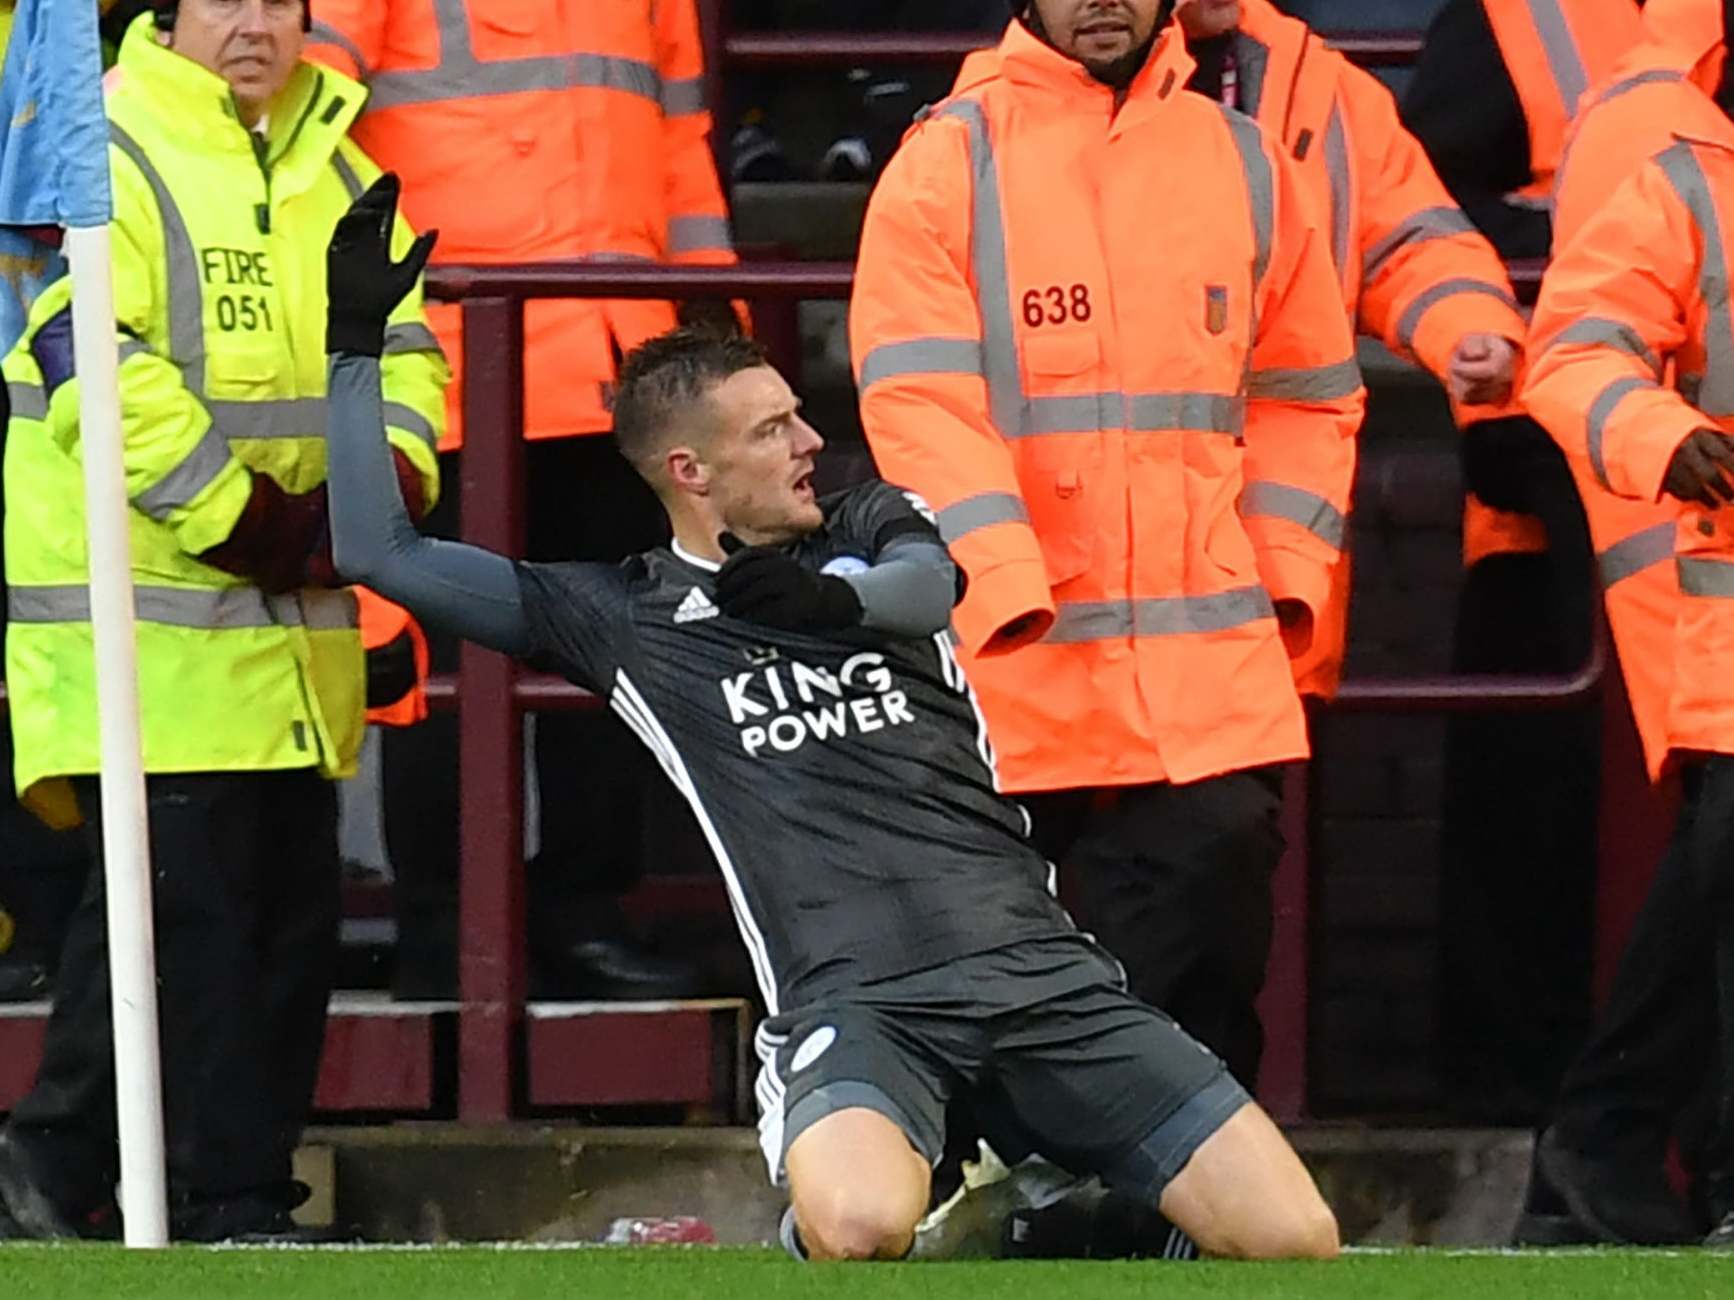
662 376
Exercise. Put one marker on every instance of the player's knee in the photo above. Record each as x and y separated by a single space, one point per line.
858 1223
1304 1231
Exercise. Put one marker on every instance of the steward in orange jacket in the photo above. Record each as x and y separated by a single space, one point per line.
1097 328
1634 375
1657 87
1413 270
541 131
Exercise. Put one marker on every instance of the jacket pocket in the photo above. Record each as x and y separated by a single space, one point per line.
1059 456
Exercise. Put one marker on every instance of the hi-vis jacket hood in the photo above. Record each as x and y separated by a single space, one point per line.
1107 344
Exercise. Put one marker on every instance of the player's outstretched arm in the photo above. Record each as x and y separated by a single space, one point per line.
461 589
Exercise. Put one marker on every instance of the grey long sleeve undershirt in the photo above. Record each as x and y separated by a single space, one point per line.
472 592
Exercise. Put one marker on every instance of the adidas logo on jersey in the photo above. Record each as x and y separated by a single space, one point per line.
697 605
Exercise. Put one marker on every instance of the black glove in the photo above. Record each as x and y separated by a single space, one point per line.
765 585
1701 470
362 282
1505 458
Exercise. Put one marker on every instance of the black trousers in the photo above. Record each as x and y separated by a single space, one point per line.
246 878
1518 844
1175 881
1668 1026
584 502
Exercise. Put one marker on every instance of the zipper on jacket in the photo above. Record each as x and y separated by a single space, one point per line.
262 211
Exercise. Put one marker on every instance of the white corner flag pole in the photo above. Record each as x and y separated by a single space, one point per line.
125 827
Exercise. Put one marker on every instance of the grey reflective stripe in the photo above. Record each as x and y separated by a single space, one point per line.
190 607
1260 189
1417 228
1308 509
1563 60
461 75
348 175
699 234
1428 298
1600 331
407 418
1628 84
987 254
1600 411
1139 413
1337 165
186 304
1104 620
1701 577
319 609
282 417
1315 384
411 336
930 356
683 97
1634 554
983 510
326 33
130 348
197 470
1680 165
28 401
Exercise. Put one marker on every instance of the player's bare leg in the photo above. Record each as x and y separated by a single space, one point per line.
1244 1194
857 1186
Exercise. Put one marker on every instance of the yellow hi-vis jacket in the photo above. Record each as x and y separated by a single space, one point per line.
220 305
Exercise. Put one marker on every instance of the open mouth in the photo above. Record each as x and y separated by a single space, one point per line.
804 484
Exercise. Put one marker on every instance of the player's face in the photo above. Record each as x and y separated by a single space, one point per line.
252 44
761 459
1099 33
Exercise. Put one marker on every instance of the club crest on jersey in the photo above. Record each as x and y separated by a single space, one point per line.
844 565
697 605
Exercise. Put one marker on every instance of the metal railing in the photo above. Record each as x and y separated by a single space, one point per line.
492 694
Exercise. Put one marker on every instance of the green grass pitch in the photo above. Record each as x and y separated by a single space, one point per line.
480 1273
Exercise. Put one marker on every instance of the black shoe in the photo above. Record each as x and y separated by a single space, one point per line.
1623 1203
25 981
616 969
260 1217
26 1212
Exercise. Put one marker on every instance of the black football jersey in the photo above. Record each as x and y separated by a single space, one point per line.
844 781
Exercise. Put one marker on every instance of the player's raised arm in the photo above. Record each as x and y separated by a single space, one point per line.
464 589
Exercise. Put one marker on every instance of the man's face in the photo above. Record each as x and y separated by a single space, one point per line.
251 44
1100 34
760 459
1203 19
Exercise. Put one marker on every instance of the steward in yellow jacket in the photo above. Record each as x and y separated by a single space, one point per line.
1097 328
227 186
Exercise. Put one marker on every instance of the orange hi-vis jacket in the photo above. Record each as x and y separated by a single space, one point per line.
1555 50
1621 122
1109 348
1413 270
541 131
383 622
1635 342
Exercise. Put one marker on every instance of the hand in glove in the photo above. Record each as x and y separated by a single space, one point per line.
364 285
763 584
